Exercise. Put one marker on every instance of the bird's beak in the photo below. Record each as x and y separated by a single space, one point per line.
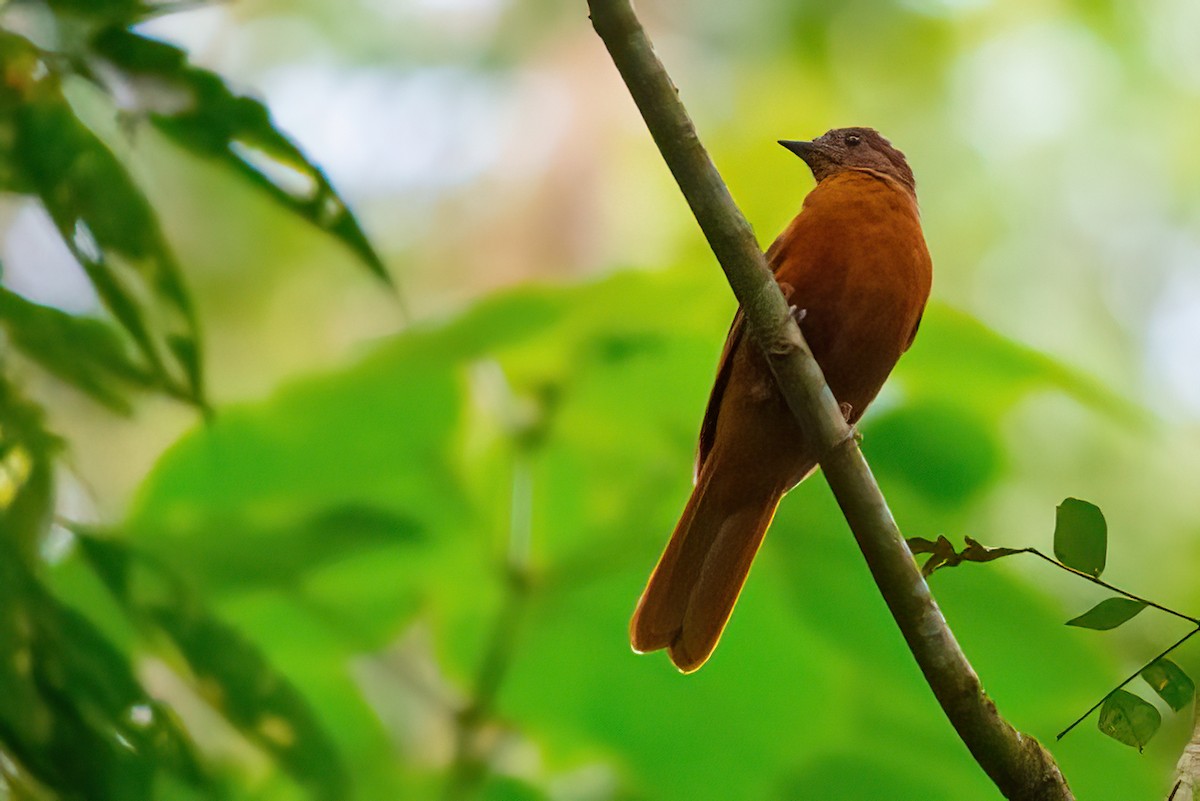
801 149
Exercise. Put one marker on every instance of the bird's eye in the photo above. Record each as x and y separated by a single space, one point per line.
853 140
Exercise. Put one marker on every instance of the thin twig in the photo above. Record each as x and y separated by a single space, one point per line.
1106 585
1019 765
964 556
1135 674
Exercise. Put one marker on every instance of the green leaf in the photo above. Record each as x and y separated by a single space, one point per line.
103 217
88 353
195 108
111 559
1108 614
73 709
23 713
27 452
229 671
638 377
1128 719
104 10
920 442
959 359
236 679
1170 682
87 673
1080 536
507 788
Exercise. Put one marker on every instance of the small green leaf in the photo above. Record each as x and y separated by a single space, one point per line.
1108 614
235 677
74 709
230 672
104 10
198 110
111 559
1170 682
81 668
103 217
27 453
88 353
1081 536
1128 719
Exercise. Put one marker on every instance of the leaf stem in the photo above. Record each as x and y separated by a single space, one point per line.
1101 582
1133 676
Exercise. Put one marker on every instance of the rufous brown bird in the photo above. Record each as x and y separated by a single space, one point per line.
855 265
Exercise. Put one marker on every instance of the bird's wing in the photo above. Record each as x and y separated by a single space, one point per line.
708 428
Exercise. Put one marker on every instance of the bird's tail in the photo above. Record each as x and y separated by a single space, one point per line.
691 593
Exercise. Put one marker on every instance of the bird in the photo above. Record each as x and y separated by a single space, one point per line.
855 268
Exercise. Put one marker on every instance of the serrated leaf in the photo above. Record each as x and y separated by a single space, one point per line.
198 110
1108 614
104 219
1168 680
1128 719
1081 536
87 353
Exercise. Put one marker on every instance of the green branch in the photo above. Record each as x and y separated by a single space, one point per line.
1020 767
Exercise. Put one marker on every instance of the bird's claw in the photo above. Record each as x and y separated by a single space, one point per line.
797 314
847 410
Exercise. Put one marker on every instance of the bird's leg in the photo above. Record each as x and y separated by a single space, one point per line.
847 411
788 290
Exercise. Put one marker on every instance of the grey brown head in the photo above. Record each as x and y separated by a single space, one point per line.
853 149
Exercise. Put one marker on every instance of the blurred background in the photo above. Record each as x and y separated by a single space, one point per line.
411 534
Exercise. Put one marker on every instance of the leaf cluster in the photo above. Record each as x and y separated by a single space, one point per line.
150 340
78 720
1081 547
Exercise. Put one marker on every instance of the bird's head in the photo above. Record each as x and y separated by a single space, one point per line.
853 149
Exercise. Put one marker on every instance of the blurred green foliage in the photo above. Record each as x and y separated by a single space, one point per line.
410 576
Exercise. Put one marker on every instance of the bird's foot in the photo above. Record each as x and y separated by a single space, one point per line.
847 410
787 289
797 314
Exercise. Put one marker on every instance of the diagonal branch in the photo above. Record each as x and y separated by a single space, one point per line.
1020 767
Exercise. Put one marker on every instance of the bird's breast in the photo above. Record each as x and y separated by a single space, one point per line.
857 262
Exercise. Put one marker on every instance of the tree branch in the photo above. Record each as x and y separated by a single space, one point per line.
1018 764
